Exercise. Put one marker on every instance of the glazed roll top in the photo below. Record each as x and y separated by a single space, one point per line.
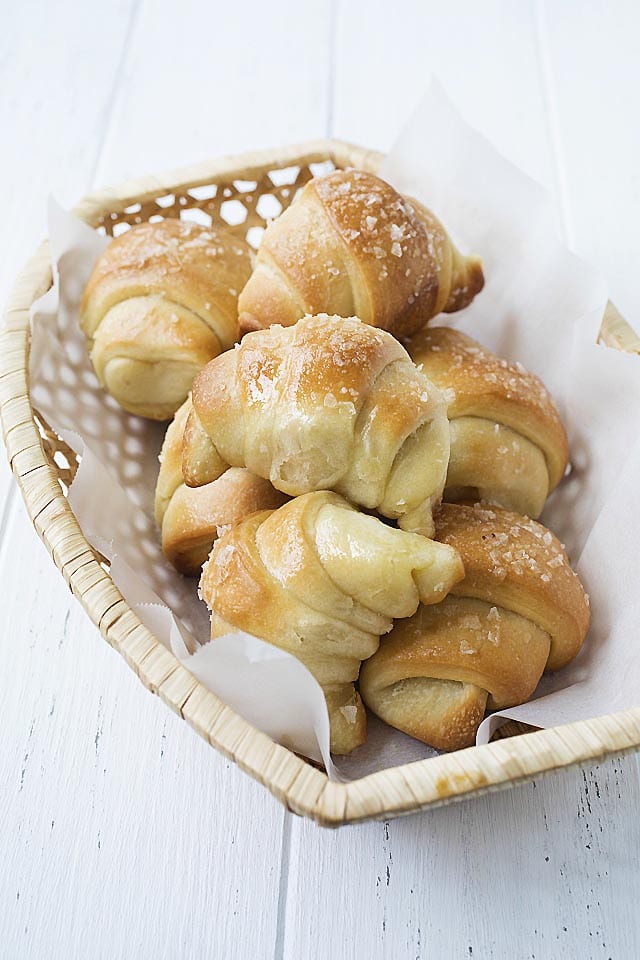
323 581
160 303
519 610
330 403
190 519
351 245
508 445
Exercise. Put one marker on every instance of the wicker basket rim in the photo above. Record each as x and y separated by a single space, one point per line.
305 790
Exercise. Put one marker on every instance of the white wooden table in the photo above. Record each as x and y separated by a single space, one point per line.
122 834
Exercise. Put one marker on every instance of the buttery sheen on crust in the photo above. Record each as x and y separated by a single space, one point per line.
508 445
330 403
323 581
352 246
161 302
519 610
190 519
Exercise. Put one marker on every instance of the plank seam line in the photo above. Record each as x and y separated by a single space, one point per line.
552 119
6 511
116 87
283 886
331 78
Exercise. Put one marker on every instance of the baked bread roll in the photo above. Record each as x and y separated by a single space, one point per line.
161 302
330 403
190 519
508 445
519 610
322 581
351 245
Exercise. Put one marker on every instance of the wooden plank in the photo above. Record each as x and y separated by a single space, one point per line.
51 123
484 55
214 82
544 870
125 834
590 66
549 869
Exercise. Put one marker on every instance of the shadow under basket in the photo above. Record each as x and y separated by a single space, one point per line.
243 193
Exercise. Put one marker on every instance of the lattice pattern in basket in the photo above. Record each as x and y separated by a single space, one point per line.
245 207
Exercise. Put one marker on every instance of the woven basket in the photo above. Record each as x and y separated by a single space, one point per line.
243 192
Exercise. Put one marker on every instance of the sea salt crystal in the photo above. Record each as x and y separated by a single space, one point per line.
370 222
466 647
471 622
350 713
396 249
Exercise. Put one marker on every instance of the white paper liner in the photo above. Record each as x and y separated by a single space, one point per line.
541 306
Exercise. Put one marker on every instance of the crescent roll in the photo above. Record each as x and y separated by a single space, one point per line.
508 445
330 403
161 302
519 610
351 245
322 581
190 519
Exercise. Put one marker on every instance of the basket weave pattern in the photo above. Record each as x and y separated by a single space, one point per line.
243 193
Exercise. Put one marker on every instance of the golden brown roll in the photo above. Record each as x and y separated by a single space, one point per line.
519 610
322 581
161 302
351 245
508 445
330 403
190 519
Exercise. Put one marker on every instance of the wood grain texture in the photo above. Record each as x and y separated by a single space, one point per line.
125 832
543 871
109 803
233 81
484 54
590 68
50 122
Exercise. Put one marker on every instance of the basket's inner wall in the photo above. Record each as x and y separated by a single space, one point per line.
245 207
